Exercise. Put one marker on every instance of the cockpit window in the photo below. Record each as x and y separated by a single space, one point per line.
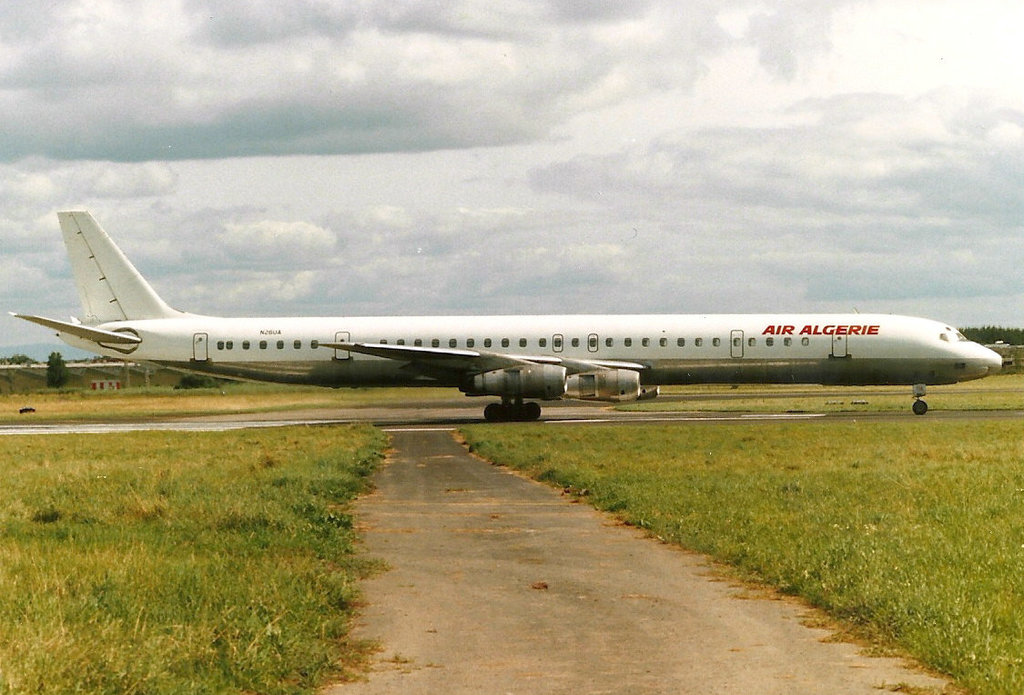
952 335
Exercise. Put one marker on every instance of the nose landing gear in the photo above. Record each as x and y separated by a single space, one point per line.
919 407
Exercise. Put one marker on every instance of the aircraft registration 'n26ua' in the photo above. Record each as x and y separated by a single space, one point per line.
519 359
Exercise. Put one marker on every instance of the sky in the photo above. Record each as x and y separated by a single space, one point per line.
387 157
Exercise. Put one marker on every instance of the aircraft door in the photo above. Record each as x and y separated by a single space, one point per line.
557 341
342 337
200 347
839 346
736 344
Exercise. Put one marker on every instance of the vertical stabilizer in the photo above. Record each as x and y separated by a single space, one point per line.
110 287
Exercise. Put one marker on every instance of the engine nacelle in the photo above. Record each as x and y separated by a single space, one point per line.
544 381
604 385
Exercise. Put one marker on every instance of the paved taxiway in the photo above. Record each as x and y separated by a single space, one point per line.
500 585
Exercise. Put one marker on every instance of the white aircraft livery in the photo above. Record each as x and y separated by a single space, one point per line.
519 359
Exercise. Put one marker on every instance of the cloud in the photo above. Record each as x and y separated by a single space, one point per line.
276 244
471 157
164 81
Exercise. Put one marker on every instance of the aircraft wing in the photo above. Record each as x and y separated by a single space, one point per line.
96 335
473 361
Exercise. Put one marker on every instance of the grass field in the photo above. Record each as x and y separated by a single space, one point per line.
911 533
135 403
221 562
173 562
1002 392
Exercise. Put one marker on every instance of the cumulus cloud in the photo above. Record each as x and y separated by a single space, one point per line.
522 156
268 242
155 80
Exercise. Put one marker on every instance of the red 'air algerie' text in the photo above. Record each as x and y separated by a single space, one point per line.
827 329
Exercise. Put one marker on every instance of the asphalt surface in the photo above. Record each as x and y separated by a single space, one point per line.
459 411
501 585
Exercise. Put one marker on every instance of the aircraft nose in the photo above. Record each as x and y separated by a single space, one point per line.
994 361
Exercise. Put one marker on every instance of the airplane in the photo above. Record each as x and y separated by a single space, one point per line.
518 359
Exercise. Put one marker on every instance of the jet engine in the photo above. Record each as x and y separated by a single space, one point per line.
613 385
543 381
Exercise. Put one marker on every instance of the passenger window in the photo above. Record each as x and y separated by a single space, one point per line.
592 342
680 342
245 344
280 345
400 341
263 345
297 344
435 343
628 342
805 341
452 342
646 342
470 342
557 342
735 342
543 342
609 342
220 344
769 342
788 342
487 342
504 342
716 342
751 342
575 342
663 342
522 342
418 342
314 344
231 345
699 342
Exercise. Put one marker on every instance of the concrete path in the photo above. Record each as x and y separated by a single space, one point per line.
501 585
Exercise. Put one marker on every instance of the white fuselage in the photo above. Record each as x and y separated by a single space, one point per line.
847 349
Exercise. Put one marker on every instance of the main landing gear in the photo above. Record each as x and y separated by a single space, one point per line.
512 411
919 407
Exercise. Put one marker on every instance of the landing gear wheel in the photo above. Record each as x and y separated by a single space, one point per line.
920 407
531 411
496 412
512 412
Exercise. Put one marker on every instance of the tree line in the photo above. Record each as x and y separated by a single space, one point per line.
987 335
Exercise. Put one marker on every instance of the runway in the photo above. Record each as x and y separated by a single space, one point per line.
456 412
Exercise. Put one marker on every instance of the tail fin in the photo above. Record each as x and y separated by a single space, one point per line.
110 287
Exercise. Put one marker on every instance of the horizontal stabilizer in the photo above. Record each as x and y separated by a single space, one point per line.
96 335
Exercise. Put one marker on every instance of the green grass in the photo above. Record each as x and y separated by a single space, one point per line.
162 402
176 562
1002 392
911 532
